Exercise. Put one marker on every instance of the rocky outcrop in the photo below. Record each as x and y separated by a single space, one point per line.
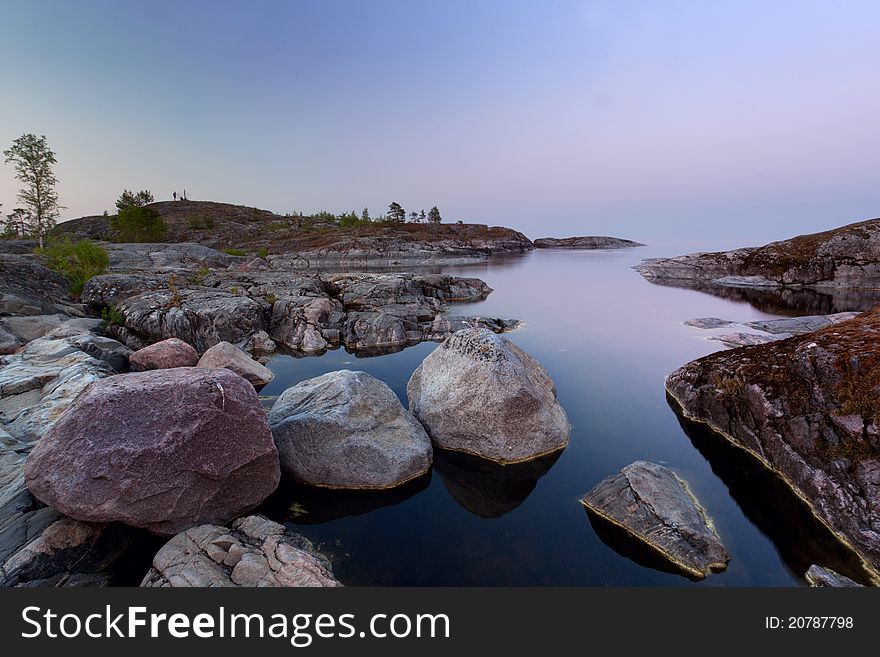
479 393
653 505
39 383
846 257
252 552
164 355
313 242
820 577
29 288
17 331
806 407
165 257
589 242
163 450
230 357
347 429
301 313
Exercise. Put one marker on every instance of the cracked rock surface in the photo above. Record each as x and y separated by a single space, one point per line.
654 506
252 552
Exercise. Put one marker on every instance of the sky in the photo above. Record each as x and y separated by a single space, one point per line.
738 120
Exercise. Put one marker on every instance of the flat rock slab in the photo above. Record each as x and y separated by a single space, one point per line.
742 339
252 552
797 325
820 577
654 506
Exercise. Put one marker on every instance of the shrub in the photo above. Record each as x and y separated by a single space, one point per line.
269 297
235 252
111 316
263 253
76 261
137 224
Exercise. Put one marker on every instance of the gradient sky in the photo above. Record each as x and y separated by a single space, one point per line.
743 120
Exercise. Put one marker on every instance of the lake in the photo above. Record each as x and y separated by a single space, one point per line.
607 338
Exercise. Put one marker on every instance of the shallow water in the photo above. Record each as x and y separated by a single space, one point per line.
608 338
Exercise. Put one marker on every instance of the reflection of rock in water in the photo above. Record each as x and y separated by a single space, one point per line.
309 505
769 503
488 489
619 540
785 301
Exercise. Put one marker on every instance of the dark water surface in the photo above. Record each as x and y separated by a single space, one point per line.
608 338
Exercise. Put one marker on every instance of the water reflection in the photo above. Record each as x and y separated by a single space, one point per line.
619 540
300 504
485 488
770 504
791 302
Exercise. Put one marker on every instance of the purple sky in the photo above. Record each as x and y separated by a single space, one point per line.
650 120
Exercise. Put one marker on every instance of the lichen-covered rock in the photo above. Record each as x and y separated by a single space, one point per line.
846 257
164 355
164 450
230 357
808 407
479 393
347 429
252 552
654 506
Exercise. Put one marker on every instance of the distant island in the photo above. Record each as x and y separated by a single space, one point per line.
587 242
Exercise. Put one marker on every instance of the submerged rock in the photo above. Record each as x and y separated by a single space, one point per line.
347 429
230 357
164 450
479 393
806 407
164 355
654 506
821 577
252 552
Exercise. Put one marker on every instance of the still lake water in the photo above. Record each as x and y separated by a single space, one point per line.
608 338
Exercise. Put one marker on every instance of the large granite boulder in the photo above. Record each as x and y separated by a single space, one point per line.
347 429
807 407
164 355
230 357
479 393
164 450
651 504
253 552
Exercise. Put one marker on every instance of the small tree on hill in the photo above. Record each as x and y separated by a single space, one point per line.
33 162
422 218
138 224
434 216
396 212
365 216
17 224
131 199
414 217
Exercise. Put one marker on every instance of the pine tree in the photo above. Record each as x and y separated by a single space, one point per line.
396 212
422 218
434 216
365 215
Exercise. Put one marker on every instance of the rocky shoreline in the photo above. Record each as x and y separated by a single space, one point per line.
588 242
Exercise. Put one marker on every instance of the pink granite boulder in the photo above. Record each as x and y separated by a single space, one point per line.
164 355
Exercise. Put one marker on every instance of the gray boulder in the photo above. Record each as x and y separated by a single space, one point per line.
479 393
164 450
651 504
164 355
27 287
230 357
15 332
253 552
347 429
112 352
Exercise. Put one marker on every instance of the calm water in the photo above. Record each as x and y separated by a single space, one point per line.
608 338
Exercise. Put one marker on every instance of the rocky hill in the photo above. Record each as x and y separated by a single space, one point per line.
846 257
225 226
587 242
